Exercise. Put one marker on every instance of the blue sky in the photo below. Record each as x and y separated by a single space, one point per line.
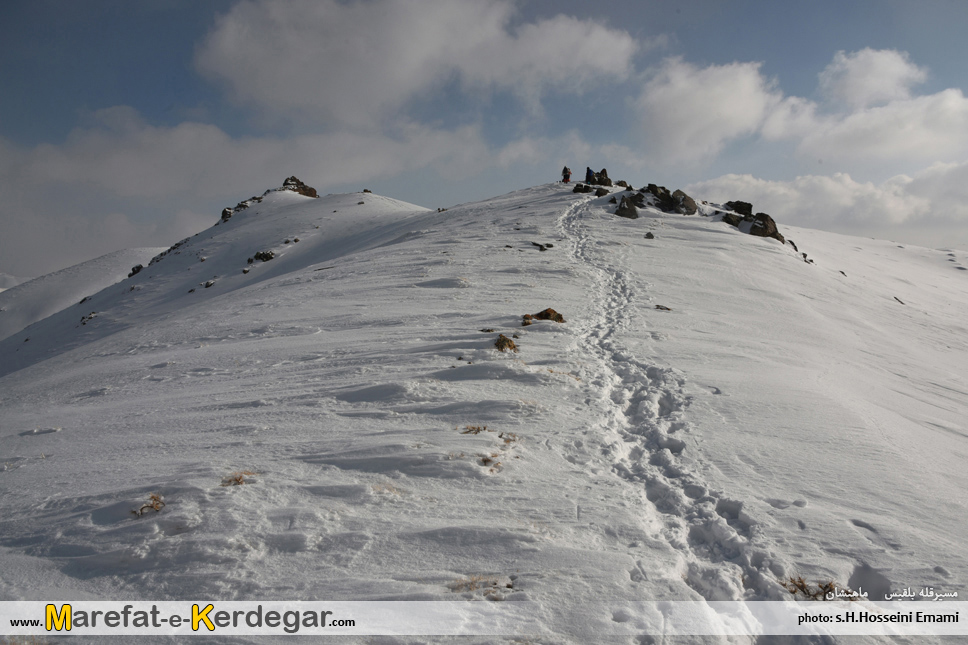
132 124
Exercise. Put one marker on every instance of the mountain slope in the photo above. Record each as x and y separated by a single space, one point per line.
767 423
31 300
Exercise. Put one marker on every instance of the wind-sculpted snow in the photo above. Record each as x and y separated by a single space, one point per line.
337 423
33 300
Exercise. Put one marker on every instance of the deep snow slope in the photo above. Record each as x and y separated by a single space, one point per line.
778 418
28 301
8 281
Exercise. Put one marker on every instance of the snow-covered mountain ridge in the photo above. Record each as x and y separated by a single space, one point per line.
767 421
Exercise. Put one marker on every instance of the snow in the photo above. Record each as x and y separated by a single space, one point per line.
781 418
8 281
28 301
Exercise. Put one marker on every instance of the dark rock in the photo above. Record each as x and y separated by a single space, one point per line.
743 208
601 178
601 192
582 188
549 314
649 236
613 201
732 218
296 186
627 209
661 198
226 214
764 226
687 205
504 344
622 183
793 244
662 308
136 269
265 256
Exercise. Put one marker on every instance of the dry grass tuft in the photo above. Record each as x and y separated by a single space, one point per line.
238 478
155 503
800 588
493 587
504 344
387 488
474 429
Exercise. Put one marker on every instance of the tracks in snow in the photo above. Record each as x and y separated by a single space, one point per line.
646 431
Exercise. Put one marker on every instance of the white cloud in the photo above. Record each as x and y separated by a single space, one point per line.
689 113
123 182
834 202
919 130
354 63
870 77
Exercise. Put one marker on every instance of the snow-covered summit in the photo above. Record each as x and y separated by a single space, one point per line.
715 416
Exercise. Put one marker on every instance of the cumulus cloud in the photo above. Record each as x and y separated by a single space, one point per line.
921 129
830 202
122 182
689 113
870 77
354 63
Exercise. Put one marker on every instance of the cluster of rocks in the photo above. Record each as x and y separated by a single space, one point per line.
296 186
667 202
761 224
599 179
658 197
586 188
291 183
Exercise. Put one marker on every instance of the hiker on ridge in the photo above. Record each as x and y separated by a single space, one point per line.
589 175
566 174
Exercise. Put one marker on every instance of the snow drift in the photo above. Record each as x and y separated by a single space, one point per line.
715 416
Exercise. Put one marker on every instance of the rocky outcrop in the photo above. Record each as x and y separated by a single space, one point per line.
684 203
582 188
743 208
760 225
291 183
296 186
627 208
665 201
601 179
661 197
764 226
